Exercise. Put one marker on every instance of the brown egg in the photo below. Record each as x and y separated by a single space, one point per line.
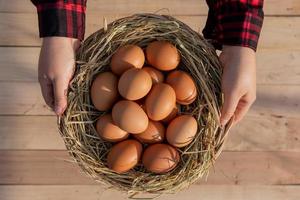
183 84
189 100
126 57
160 158
181 130
172 115
162 55
108 130
129 116
104 91
160 101
134 84
156 75
153 134
124 155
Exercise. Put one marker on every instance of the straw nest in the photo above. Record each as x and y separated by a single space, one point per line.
198 58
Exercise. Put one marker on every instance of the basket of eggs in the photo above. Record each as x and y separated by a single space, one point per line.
144 105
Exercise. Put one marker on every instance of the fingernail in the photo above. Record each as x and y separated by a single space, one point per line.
58 110
223 122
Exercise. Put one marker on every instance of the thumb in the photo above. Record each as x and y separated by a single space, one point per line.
60 87
230 103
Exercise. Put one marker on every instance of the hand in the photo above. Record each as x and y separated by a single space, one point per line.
238 82
56 68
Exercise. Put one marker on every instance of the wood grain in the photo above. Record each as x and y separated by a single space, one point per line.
17 98
175 7
20 29
94 192
232 168
30 132
20 64
277 101
252 134
255 168
39 167
265 134
22 98
278 67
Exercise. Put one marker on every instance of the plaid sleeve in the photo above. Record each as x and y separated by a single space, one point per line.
61 17
234 22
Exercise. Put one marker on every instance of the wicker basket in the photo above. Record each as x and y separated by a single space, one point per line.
198 58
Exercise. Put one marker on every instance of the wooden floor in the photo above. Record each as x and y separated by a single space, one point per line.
262 156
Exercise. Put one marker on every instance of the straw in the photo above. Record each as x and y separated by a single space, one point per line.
198 58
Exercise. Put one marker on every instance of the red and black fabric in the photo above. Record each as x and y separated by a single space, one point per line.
234 22
229 22
61 17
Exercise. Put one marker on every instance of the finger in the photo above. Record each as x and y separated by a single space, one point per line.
222 59
243 107
47 91
60 87
230 103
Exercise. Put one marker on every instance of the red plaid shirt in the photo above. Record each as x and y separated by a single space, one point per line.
229 22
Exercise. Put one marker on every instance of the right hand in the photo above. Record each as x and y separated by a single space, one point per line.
238 82
56 69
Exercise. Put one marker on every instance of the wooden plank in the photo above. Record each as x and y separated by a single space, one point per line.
22 98
176 7
252 134
19 29
39 167
94 192
277 101
282 71
18 98
29 132
264 134
278 7
20 64
247 168
232 168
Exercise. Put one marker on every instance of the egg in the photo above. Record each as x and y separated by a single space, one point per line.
189 100
184 86
181 130
160 101
108 130
104 91
134 84
162 55
160 158
156 75
172 115
126 57
154 133
124 155
129 116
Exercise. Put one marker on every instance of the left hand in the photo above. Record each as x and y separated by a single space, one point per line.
238 82
56 68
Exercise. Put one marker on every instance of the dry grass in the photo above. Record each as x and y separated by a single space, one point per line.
198 59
